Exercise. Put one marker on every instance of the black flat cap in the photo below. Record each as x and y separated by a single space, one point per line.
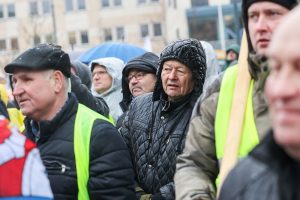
42 56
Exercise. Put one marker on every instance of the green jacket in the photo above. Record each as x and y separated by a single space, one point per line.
197 168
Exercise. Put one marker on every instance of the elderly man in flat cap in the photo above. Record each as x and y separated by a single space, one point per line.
84 155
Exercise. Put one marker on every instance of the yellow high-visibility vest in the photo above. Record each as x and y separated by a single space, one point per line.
84 121
249 137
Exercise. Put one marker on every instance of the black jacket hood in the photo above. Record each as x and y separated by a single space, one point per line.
189 52
83 72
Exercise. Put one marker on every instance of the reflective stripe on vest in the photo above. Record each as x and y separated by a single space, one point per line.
249 137
84 121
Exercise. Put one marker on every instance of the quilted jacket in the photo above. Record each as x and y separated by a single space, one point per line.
155 128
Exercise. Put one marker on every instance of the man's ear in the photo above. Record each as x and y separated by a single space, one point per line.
59 81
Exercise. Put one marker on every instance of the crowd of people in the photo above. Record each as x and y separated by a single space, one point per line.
156 127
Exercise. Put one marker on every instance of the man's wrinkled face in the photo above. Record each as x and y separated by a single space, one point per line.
101 79
263 18
282 88
35 93
140 82
177 79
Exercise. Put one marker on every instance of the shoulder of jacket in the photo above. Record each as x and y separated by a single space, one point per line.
210 93
246 173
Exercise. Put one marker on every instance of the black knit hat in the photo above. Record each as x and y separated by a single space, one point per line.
289 4
43 56
189 52
147 62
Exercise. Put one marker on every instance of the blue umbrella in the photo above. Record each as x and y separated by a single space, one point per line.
122 51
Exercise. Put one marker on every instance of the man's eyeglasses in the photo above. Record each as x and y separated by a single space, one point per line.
137 76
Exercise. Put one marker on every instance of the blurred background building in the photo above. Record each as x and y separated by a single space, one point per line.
77 25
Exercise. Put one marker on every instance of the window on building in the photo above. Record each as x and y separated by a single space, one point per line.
197 3
46 6
105 3
2 45
204 29
157 29
33 8
141 1
107 34
175 4
120 33
11 10
117 2
49 38
84 37
69 5
72 38
36 40
235 1
14 44
1 11
144 30
81 4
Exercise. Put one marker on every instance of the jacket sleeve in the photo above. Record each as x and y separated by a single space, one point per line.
197 167
85 97
111 172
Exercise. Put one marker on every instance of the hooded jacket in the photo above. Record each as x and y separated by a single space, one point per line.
198 167
113 95
155 128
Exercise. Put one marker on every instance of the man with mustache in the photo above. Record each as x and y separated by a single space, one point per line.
138 78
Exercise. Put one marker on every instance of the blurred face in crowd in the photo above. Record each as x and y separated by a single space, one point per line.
231 55
36 92
177 79
263 17
102 81
140 82
283 86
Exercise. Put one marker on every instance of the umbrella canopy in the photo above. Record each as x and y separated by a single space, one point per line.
122 51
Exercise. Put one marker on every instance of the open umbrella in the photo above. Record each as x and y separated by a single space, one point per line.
122 51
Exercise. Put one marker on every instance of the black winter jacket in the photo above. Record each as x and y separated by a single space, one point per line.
155 138
267 173
111 174
155 128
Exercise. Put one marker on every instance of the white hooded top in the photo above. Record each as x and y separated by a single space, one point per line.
113 95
